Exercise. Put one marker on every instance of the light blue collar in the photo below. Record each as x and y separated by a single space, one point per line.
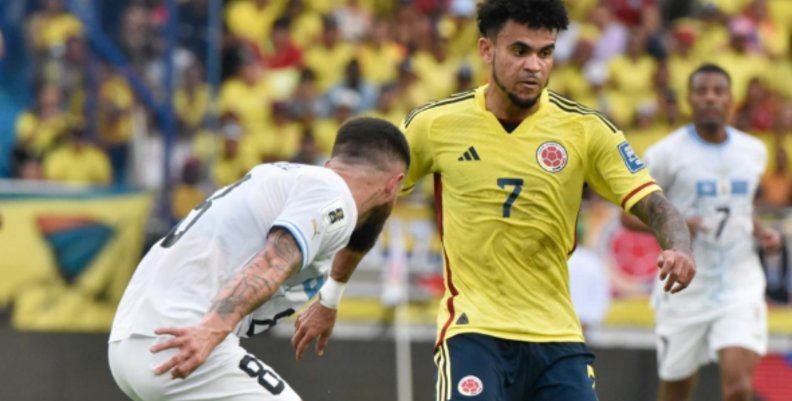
696 137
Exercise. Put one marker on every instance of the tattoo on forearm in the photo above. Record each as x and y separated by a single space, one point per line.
255 283
668 226
246 290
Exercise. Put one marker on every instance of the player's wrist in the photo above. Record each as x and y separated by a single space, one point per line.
331 292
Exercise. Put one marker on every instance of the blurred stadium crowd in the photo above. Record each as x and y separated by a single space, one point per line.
293 70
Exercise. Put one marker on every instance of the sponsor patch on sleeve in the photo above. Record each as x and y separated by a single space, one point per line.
631 159
334 216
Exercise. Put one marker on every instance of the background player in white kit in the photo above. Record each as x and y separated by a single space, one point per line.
249 255
710 172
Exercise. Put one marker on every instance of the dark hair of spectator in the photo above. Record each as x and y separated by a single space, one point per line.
536 14
282 23
367 140
708 68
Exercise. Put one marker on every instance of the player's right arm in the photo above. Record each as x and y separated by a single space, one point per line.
676 262
247 289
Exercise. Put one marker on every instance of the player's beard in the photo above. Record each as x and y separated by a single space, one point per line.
516 100
711 125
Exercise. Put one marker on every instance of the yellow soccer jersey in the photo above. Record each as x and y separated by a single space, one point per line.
507 205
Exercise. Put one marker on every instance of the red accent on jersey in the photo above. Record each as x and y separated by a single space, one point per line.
438 190
635 191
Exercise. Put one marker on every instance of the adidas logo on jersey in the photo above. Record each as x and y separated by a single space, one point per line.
469 155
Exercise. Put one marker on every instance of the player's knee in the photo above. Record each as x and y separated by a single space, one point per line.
737 388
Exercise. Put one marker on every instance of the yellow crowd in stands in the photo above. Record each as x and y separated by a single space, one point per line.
292 107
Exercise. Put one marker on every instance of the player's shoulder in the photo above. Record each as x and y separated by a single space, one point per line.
569 110
296 174
744 140
673 142
458 102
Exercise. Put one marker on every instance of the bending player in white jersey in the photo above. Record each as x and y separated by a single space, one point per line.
252 253
710 171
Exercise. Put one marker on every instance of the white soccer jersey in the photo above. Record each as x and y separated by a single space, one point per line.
716 182
176 281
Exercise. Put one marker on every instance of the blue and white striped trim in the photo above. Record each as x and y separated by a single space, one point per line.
298 236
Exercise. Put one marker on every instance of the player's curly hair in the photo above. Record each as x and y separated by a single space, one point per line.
536 14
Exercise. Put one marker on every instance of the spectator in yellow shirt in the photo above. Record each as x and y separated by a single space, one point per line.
379 55
387 106
730 7
231 164
411 93
325 130
187 194
280 140
773 34
569 79
682 60
306 103
247 95
116 101
631 73
306 24
191 101
40 128
78 162
252 20
51 26
742 60
713 37
435 68
328 57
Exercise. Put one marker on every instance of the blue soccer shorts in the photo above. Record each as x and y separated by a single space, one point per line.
478 367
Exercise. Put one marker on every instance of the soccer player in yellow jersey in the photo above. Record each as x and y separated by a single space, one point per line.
510 160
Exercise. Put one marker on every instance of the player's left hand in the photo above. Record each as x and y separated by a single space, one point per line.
194 343
315 323
770 240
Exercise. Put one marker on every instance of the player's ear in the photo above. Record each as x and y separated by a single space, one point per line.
393 185
486 47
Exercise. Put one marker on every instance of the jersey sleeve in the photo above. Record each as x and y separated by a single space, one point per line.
416 130
614 170
318 218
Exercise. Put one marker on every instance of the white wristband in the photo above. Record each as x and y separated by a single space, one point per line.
330 293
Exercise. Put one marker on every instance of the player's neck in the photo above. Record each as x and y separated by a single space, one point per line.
708 133
499 104
366 188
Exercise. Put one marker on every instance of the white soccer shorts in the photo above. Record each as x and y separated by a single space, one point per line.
683 348
229 374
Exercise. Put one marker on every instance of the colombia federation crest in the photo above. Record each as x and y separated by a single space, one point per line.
552 157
